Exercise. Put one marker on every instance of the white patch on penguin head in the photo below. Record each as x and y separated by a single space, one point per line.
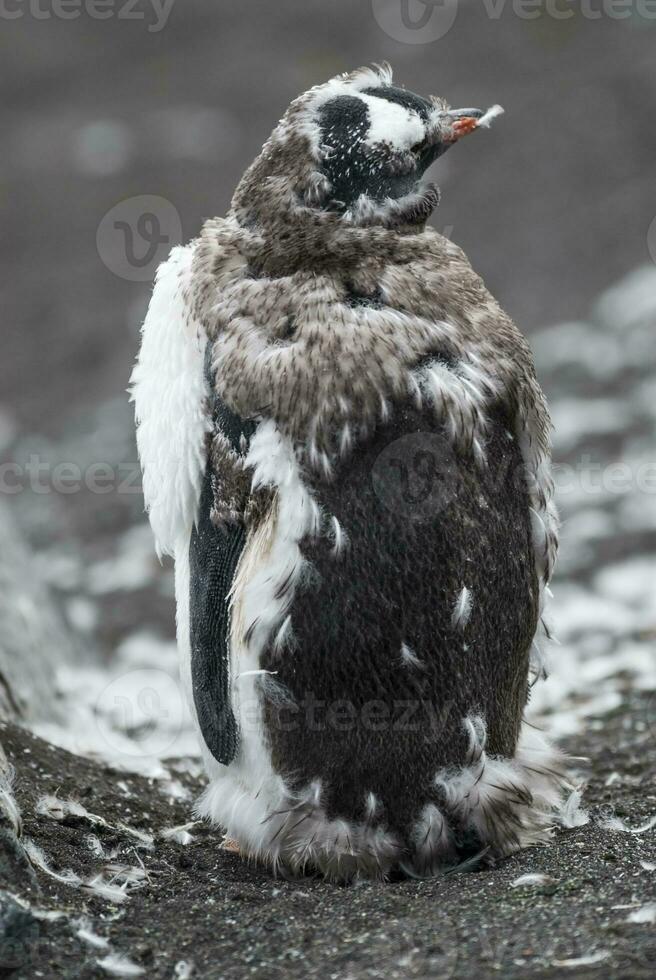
392 124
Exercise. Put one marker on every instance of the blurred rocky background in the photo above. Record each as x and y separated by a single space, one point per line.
124 126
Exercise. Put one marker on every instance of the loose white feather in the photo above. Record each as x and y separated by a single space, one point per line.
534 880
340 537
462 609
409 658
645 915
572 813
117 965
617 824
590 960
489 116
87 935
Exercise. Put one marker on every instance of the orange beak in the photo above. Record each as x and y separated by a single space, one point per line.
465 121
464 126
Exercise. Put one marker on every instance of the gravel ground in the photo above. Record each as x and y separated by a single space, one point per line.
200 908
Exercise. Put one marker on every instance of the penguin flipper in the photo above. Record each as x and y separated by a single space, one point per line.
217 541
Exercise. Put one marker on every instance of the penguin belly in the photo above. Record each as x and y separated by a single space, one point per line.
388 659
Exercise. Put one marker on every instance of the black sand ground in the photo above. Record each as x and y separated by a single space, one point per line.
204 906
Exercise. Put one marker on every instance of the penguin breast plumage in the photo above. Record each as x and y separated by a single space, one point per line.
346 451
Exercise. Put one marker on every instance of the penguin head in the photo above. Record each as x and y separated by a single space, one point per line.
378 142
352 151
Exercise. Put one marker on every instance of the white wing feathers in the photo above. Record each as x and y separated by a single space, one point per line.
169 392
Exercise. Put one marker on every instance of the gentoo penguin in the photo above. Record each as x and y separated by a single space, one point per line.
345 448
